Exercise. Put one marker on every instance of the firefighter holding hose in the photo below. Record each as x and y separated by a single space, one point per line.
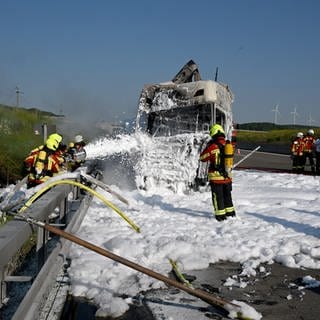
77 153
219 152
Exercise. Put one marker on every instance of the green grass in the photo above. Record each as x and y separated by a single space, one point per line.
272 136
17 139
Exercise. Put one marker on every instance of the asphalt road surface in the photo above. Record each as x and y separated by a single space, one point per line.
277 293
263 160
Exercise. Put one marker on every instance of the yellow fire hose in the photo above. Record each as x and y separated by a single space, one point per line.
205 296
80 185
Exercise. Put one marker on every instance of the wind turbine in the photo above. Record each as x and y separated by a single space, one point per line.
295 114
310 120
276 113
18 92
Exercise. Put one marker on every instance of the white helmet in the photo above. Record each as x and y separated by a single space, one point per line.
310 131
78 138
299 135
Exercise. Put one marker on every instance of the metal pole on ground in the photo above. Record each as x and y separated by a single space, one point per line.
213 300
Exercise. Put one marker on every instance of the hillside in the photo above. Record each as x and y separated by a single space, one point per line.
18 135
265 133
267 126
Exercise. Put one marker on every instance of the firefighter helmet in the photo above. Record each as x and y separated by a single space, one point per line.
55 136
52 144
215 129
78 138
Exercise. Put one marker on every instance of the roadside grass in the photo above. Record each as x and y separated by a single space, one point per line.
17 138
280 136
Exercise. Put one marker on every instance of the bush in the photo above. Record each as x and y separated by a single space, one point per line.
17 138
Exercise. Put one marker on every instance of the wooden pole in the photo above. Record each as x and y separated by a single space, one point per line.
216 301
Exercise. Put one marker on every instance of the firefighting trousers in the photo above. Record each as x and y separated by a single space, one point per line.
309 156
318 162
297 164
222 199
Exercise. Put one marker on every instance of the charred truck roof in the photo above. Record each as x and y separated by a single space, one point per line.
186 104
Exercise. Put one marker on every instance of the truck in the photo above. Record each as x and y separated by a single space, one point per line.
177 115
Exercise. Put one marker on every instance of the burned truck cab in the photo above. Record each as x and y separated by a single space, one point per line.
183 109
186 104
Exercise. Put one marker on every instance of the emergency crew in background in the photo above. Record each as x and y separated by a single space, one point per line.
297 148
219 174
309 141
77 153
317 152
44 163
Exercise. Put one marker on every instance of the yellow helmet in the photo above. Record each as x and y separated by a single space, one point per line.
215 129
52 144
55 136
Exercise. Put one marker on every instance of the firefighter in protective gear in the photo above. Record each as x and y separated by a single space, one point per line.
317 153
44 163
219 172
54 136
297 148
309 141
77 153
29 161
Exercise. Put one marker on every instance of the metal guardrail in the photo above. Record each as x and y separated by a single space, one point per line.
14 234
36 301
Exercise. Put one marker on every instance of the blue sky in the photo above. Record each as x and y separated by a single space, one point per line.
90 59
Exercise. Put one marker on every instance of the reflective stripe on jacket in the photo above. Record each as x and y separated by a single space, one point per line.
45 166
297 147
308 143
212 154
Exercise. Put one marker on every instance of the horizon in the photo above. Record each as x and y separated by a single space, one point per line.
121 121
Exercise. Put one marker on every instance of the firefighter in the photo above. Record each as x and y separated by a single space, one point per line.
28 163
219 174
309 141
297 148
77 153
43 164
55 136
317 152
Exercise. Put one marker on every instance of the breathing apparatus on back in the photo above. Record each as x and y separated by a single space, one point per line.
40 164
42 157
226 151
228 156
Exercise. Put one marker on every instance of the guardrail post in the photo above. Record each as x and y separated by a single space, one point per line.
75 192
63 210
42 239
3 288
